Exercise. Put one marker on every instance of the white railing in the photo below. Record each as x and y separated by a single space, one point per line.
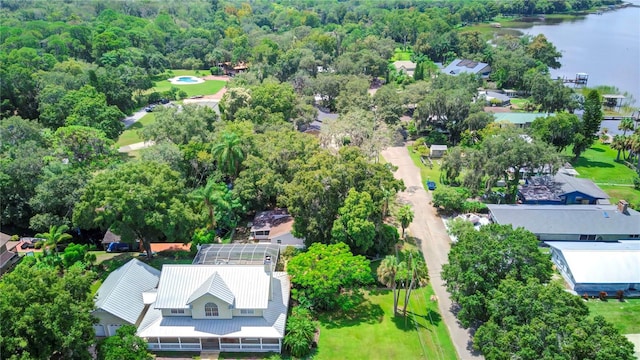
174 346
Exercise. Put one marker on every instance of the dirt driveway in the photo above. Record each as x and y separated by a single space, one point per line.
432 237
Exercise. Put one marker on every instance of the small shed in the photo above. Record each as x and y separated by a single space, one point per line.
437 151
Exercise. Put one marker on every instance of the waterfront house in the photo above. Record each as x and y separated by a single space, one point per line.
459 66
561 189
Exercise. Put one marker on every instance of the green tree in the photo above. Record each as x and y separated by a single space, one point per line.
229 154
449 199
503 252
542 321
556 130
301 330
329 277
77 253
541 49
619 143
55 196
354 225
405 215
220 203
84 146
55 236
591 120
54 321
413 272
138 201
388 275
125 345
181 125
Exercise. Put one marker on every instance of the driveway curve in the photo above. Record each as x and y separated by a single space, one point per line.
432 237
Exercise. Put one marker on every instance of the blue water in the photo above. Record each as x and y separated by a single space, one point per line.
607 47
187 79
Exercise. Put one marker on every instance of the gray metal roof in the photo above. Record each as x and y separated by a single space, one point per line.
236 254
567 219
270 325
458 66
438 147
601 263
215 286
121 293
249 285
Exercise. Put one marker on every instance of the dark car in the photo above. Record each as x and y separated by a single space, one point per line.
431 185
164 101
118 247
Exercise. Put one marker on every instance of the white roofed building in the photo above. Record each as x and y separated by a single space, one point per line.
591 267
124 297
224 301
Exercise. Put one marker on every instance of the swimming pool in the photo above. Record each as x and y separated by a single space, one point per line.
186 80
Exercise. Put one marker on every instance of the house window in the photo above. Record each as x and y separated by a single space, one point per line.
587 237
279 241
634 236
211 310
177 311
246 312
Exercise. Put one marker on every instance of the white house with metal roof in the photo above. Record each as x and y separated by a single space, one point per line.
591 267
218 307
121 298
571 222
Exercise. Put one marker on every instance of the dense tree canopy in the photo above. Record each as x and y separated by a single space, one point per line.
480 260
329 277
54 320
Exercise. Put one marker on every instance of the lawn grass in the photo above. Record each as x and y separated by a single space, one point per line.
623 315
400 55
374 333
426 173
131 136
209 87
616 179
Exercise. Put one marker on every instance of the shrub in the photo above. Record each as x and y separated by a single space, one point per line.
215 70
300 332
474 206
39 244
603 295
636 183
449 199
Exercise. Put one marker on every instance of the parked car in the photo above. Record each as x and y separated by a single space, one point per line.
164 101
149 108
431 185
29 242
118 247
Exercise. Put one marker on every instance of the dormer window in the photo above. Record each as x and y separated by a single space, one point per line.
247 312
177 311
211 310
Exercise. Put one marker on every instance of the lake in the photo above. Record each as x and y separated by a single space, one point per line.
607 47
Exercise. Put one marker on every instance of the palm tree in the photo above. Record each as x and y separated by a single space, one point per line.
634 146
625 125
212 195
229 154
387 272
55 235
416 274
405 215
618 143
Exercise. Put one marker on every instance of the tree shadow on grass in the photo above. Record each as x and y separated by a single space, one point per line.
597 149
432 317
584 162
135 126
365 313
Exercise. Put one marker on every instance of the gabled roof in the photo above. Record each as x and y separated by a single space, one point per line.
270 325
438 147
121 292
458 66
601 263
568 219
215 286
570 184
249 285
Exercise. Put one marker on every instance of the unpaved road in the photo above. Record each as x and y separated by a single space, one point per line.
432 237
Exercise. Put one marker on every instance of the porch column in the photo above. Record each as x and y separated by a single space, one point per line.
180 342
200 340
261 344
240 340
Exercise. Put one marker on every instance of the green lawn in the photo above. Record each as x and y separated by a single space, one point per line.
427 173
625 316
616 179
209 87
376 334
130 136
399 55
